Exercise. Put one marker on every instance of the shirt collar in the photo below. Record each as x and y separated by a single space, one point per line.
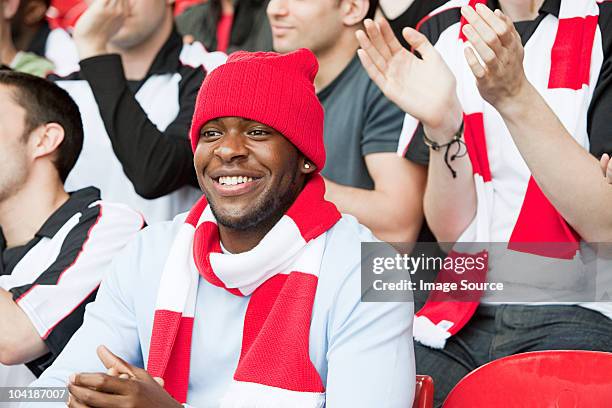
78 201
167 59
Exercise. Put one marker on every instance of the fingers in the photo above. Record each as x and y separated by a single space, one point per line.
486 33
603 163
419 42
374 57
389 36
73 402
113 372
477 69
607 167
160 381
376 38
86 397
487 55
371 69
110 360
99 382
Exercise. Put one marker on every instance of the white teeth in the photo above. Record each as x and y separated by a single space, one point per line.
234 180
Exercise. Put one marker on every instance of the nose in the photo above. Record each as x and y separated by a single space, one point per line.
231 148
277 8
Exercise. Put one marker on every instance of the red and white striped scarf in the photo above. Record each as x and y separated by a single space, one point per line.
280 275
562 60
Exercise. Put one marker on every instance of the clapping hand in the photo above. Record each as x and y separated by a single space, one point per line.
124 385
499 72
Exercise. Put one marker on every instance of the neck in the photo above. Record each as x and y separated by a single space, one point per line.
236 241
22 214
334 60
521 10
137 60
7 48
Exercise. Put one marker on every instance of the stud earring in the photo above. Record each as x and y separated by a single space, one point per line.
306 165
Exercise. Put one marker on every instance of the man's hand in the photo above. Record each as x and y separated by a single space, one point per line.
124 385
498 44
606 167
100 22
423 87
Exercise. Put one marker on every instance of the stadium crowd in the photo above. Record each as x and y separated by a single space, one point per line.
186 187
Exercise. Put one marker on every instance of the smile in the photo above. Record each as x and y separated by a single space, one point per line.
230 186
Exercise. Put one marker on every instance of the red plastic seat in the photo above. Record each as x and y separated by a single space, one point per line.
423 392
543 379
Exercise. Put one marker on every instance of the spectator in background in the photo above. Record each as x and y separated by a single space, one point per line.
31 33
262 336
407 13
228 25
46 233
534 110
362 126
9 56
136 91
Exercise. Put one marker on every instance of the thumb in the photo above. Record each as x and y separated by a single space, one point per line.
159 380
418 42
111 361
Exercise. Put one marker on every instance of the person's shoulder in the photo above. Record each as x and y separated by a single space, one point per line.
119 214
162 234
342 256
440 19
192 17
605 20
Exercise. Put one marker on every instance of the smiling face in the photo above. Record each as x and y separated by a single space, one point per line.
249 172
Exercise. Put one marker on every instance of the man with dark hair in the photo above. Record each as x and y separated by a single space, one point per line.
136 90
54 245
253 299
362 127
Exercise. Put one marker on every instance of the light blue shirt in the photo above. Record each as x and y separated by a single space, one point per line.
363 351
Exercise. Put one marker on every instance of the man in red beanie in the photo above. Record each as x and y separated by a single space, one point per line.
253 298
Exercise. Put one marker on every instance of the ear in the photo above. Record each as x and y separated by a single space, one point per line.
9 8
45 140
306 166
34 12
354 11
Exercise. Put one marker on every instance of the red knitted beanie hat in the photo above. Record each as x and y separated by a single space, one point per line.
273 89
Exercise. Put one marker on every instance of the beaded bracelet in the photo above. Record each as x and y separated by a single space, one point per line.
435 146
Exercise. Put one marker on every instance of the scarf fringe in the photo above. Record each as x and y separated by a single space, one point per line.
427 333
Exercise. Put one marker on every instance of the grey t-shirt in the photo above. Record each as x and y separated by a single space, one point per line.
359 120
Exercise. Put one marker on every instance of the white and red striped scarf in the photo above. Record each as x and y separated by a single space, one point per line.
562 60
280 275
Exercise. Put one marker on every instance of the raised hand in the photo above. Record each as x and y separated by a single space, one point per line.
423 87
124 385
98 24
492 35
